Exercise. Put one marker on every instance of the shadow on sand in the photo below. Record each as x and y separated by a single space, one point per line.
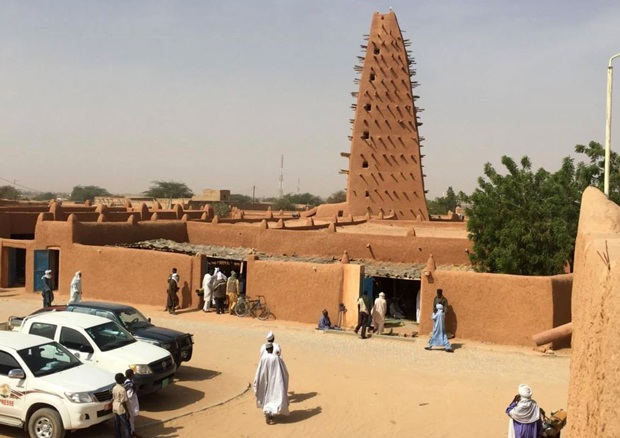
296 398
299 415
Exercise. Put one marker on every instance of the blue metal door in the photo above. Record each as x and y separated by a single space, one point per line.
41 263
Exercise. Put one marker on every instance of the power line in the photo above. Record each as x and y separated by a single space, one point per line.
24 187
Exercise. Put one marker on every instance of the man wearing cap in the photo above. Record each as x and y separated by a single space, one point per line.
276 347
378 313
48 288
75 292
271 384
525 415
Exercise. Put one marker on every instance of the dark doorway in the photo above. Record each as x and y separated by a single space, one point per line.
401 295
17 267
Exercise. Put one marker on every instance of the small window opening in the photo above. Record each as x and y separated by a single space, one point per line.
377 50
372 77
364 164
366 135
367 107
367 194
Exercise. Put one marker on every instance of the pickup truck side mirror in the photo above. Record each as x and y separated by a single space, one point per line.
86 349
17 373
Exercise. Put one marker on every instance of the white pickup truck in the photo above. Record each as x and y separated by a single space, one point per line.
107 345
46 390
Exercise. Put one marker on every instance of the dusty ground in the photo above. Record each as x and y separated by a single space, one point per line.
340 386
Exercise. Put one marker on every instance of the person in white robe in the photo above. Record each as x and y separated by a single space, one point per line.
378 313
271 385
132 400
75 293
277 350
207 287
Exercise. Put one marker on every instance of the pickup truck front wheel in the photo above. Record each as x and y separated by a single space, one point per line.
46 423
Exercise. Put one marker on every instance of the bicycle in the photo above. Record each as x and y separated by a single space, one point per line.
257 308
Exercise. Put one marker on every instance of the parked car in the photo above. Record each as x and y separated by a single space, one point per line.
107 345
46 390
179 344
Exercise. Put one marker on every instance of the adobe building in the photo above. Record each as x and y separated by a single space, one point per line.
384 176
379 240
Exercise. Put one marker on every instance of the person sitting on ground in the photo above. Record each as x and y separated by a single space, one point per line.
325 323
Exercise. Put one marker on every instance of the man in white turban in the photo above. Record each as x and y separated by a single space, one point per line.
438 337
75 293
378 313
271 338
271 384
525 416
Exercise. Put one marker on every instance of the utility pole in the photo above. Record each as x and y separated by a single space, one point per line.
281 192
253 193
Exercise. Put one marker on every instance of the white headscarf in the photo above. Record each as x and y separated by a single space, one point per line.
439 307
526 410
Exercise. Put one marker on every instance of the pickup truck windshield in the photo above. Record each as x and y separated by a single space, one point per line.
132 319
48 359
110 336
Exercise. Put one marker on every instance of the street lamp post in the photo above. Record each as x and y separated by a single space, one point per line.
610 78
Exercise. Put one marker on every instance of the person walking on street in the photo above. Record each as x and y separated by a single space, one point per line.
232 289
207 287
363 304
76 289
48 288
271 339
120 408
173 287
271 385
378 313
438 336
132 400
219 290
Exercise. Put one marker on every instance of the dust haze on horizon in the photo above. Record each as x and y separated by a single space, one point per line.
213 93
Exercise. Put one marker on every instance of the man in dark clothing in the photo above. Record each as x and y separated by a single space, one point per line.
219 292
173 287
440 299
363 306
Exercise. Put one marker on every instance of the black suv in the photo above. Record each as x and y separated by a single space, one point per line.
179 344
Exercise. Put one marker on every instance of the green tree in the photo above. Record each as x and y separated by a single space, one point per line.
168 189
593 173
240 200
304 198
448 202
283 203
9 192
337 197
83 193
524 222
221 209
47 196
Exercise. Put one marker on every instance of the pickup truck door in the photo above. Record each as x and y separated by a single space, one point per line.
12 391
79 344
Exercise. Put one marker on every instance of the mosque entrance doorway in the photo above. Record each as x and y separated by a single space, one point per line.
402 295
16 267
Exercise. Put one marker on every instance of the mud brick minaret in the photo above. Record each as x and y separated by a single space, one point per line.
385 169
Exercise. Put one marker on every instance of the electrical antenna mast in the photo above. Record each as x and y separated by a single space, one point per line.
281 192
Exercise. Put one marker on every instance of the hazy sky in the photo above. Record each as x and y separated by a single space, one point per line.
212 93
